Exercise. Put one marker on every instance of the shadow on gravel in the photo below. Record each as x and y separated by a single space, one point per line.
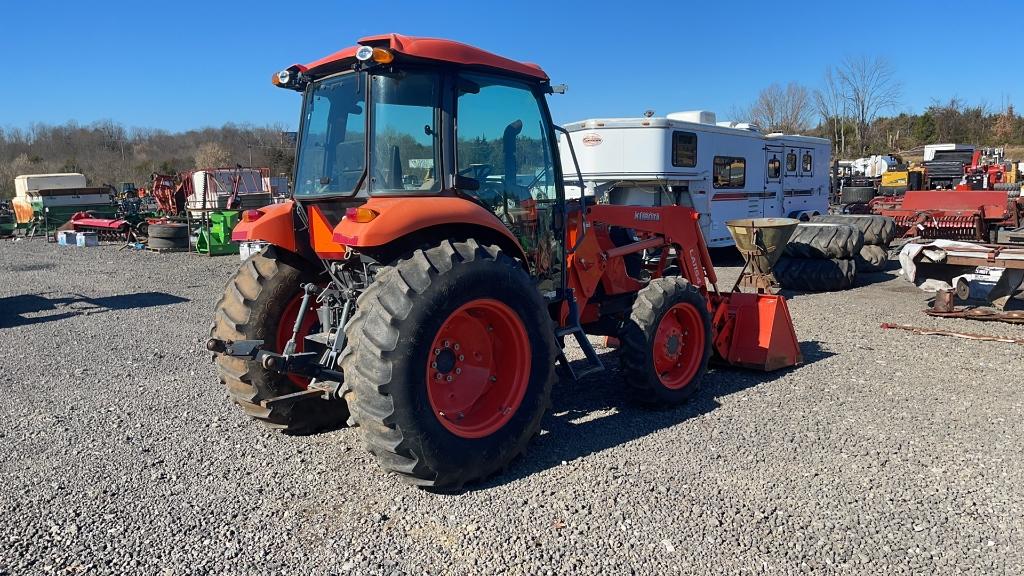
28 267
595 414
50 306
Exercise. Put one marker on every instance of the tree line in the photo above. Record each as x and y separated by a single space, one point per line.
855 106
108 153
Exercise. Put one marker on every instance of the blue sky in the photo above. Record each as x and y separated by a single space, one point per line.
187 64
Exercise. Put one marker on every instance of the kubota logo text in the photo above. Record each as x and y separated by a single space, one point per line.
647 216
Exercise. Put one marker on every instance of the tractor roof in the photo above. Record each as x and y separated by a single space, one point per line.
426 49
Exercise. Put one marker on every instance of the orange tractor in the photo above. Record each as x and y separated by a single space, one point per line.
423 280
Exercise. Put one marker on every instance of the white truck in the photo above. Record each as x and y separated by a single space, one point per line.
724 170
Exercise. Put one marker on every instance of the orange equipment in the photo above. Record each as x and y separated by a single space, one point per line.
421 284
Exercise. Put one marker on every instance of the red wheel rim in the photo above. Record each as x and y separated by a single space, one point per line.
478 368
678 346
284 331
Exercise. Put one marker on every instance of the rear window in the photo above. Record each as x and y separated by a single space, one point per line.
730 172
684 149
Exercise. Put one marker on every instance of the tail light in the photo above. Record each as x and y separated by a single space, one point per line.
360 215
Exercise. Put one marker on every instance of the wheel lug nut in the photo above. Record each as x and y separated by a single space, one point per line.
447 344
456 347
433 364
461 357
449 378
437 376
437 351
458 370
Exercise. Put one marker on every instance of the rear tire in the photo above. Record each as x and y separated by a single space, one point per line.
824 241
877 230
666 343
815 275
168 231
457 306
252 308
168 244
872 258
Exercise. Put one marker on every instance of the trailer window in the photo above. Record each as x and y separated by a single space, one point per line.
791 162
730 172
774 168
684 149
808 163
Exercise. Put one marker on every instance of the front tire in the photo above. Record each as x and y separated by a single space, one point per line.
666 343
450 364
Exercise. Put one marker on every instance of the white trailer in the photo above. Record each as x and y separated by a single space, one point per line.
723 170
32 182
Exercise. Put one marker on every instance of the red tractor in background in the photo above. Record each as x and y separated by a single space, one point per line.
423 280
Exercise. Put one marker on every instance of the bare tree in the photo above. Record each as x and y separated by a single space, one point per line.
779 109
833 109
869 85
211 155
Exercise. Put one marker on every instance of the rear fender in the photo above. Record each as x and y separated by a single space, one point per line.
405 224
274 225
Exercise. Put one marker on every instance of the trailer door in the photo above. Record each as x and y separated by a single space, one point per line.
773 197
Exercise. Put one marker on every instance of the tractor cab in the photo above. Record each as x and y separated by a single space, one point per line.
404 117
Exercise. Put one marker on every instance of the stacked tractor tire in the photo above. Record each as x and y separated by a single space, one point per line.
826 254
168 237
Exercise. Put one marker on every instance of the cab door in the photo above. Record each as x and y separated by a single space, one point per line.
504 151
773 189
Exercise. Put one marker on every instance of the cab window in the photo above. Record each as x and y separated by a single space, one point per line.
729 172
502 141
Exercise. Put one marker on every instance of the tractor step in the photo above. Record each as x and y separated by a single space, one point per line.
575 330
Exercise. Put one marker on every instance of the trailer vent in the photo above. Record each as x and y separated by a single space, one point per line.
694 116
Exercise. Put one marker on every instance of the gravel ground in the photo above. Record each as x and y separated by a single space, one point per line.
886 453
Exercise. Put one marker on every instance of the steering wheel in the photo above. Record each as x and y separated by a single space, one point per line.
480 171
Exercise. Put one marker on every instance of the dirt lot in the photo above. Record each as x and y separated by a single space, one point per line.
886 453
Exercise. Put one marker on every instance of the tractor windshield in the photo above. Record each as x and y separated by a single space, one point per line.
403 151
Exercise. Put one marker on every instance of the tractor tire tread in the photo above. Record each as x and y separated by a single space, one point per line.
815 275
878 230
872 258
823 240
